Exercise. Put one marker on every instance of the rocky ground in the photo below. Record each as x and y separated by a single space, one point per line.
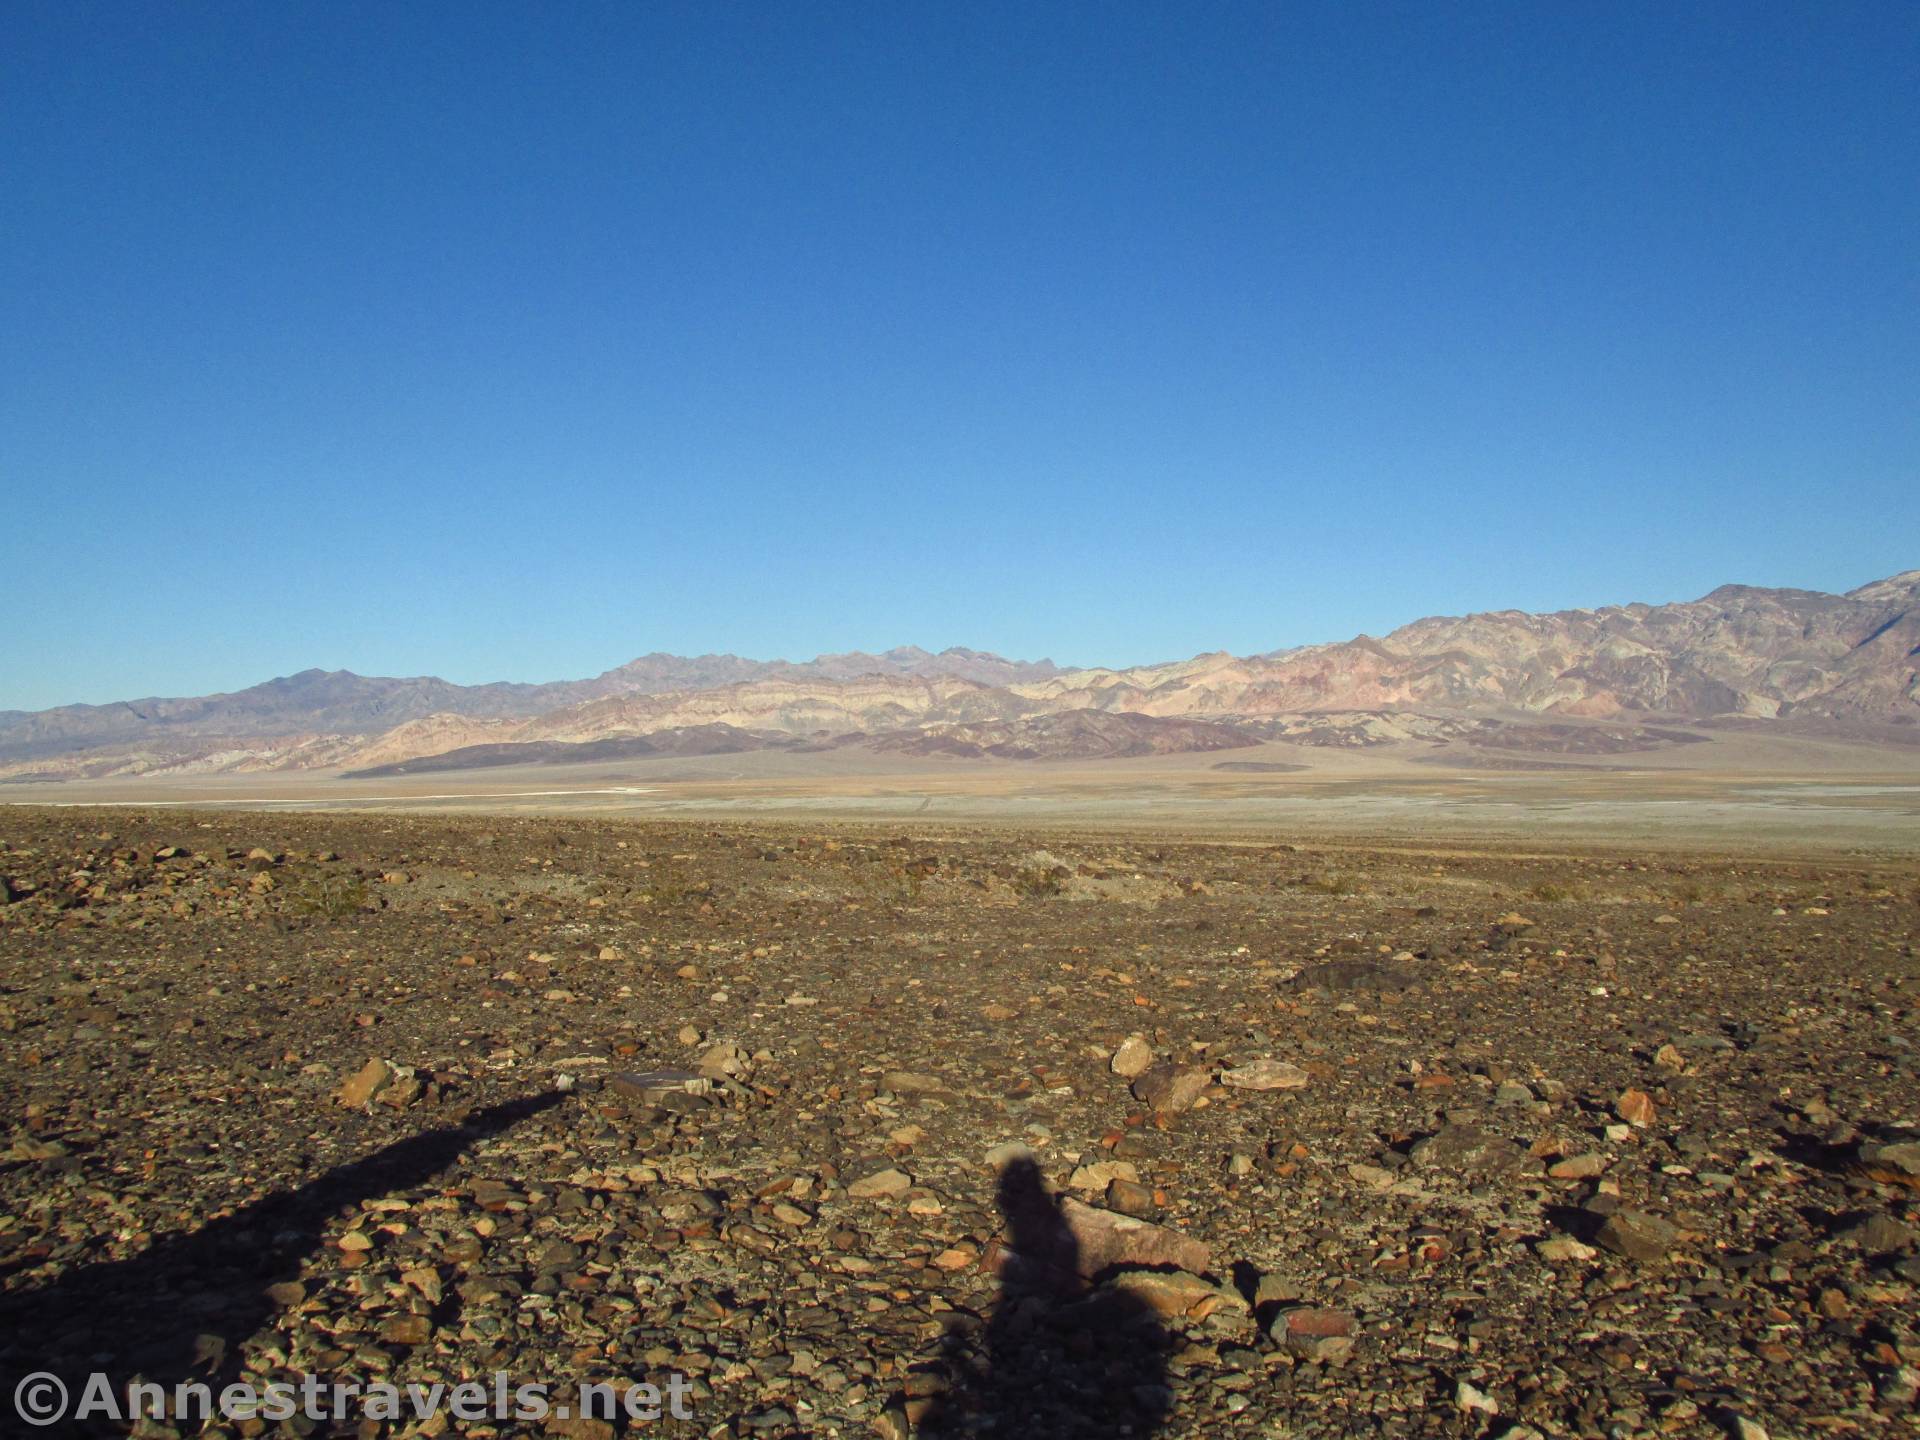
972 1132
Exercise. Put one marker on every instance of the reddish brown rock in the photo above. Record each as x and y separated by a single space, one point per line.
1169 1088
1176 1294
1578 1167
1311 1333
1106 1240
368 1081
1636 1107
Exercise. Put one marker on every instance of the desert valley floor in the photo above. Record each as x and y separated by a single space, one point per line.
1032 1101
1735 792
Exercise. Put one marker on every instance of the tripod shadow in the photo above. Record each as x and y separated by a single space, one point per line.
181 1309
1059 1357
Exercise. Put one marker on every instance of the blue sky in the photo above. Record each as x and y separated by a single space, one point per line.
509 341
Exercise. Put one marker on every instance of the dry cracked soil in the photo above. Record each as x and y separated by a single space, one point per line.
969 1132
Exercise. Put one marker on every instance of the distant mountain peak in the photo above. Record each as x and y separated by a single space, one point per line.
1740 651
1904 586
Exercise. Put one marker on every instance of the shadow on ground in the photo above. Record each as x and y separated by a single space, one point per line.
1058 1357
181 1309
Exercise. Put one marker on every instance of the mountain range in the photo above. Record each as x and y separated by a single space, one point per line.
1570 680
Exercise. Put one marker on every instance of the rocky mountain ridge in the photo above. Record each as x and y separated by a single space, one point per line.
1740 652
341 702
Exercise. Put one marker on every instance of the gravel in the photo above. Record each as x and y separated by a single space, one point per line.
1587 1144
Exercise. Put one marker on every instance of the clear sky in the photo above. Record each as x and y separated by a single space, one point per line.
509 341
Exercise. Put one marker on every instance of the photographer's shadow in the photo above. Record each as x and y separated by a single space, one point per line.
1059 1357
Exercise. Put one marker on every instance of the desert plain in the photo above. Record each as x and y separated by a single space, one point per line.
1731 790
1287 1097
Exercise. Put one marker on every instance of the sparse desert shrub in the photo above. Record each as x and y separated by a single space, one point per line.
1032 882
668 893
895 882
1038 876
330 897
1331 883
1549 891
